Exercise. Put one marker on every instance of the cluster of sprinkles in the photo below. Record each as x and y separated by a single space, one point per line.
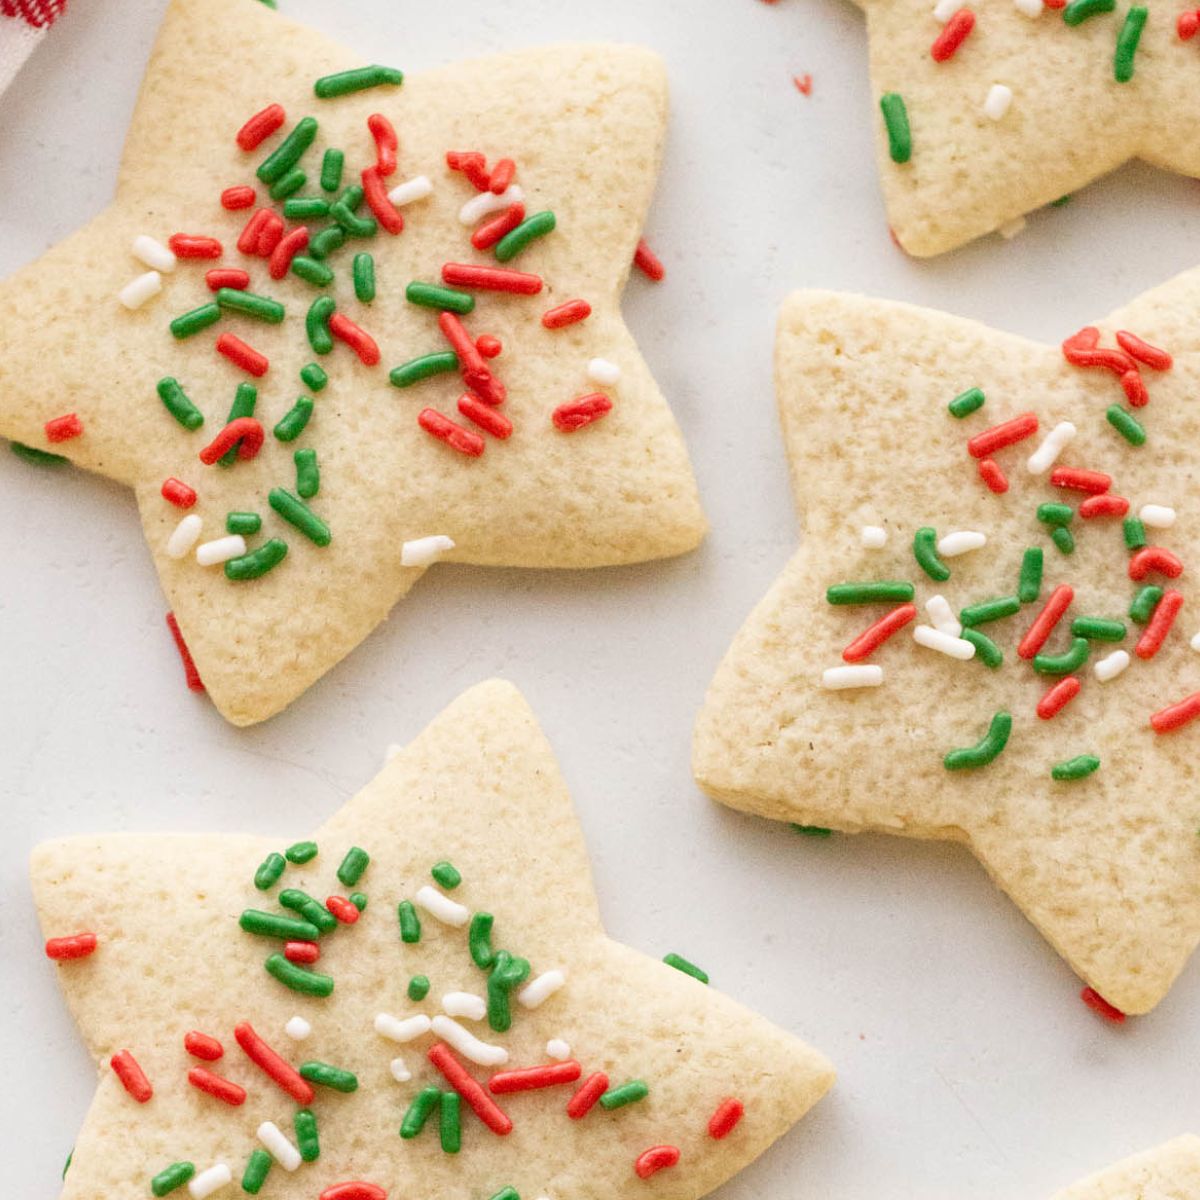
298 926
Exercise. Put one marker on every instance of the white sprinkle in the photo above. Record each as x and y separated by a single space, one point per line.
960 542
448 911
154 254
467 1044
282 1150
465 1004
558 1049
1195 642
874 537
400 1073
945 9
184 536
999 101
539 990
1053 444
397 1030
208 1181
1157 516
943 643
603 372
487 203
1010 229
1111 665
943 616
420 552
839 678
416 188
220 550
1031 8
137 291
297 1029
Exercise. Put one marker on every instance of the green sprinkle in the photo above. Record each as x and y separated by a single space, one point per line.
983 752
508 1193
273 866
1079 767
507 972
1063 664
259 307
1135 533
272 4
331 170
1061 202
869 593
242 522
895 118
925 552
430 295
289 152
311 271
244 401
301 852
199 318
451 1122
1055 514
307 1139
812 831
1063 538
418 987
327 241
1144 603
293 510
313 377
1127 43
627 1093
43 458
291 424
357 80
424 1102
529 230
1126 425
1098 629
986 650
990 610
417 369
363 272
167 1180
308 474
344 209
331 1077
965 404
1079 11
257 1169
306 208
299 979
276 925
359 900
313 911
479 940
688 968
292 182
410 923
446 874
178 405
67 1164
1030 585
258 562
316 324
353 866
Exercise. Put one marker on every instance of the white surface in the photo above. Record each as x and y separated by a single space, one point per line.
968 1066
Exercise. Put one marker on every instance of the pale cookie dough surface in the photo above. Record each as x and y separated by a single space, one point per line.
1107 867
1169 1172
585 125
1070 121
481 789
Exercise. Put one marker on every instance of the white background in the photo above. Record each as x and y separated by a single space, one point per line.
968 1066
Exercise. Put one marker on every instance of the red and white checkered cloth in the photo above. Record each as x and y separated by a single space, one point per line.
23 24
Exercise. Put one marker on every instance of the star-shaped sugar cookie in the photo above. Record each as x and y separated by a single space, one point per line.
987 632
986 111
482 1032
383 379
1168 1172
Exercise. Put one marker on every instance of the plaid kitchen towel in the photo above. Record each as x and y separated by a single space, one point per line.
23 24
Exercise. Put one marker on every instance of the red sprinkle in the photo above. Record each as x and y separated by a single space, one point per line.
985 444
1058 697
1082 350
361 342
227 277
342 908
301 952
993 476
188 245
202 1045
473 165
465 441
247 241
1080 480
270 235
648 262
575 414
723 1122
178 493
492 279
194 682
584 1100
488 346
238 197
1135 388
386 143
1175 715
485 416
78 945
1135 347
871 639
1187 26
484 1107
1106 505
375 193
1154 558
223 1089
261 126
285 250
1043 624
241 355
502 175
956 31
280 1071
655 1159
527 1079
1098 1004
62 429
460 341
133 1078
1159 625
490 232
803 84
566 314
355 1190
244 432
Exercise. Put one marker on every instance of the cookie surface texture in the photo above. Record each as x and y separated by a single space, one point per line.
1170 1172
